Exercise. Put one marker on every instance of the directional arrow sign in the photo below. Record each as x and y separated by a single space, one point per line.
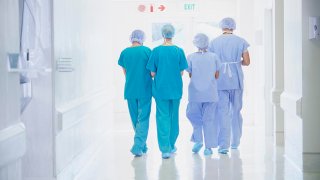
162 7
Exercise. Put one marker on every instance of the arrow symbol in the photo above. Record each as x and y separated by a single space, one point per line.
162 7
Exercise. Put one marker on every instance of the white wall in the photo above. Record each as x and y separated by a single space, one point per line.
278 70
82 97
12 131
250 27
38 116
291 97
310 91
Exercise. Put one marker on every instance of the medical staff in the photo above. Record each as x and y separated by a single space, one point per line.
167 63
233 53
138 88
203 68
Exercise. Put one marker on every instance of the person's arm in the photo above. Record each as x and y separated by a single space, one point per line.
246 58
181 73
216 75
124 71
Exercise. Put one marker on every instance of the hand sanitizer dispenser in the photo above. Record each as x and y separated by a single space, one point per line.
314 28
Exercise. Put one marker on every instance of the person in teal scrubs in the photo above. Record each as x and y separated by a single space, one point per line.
167 63
138 88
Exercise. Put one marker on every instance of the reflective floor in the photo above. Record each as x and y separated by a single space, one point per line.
256 159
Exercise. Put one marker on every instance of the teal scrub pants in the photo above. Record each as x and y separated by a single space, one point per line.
139 110
167 116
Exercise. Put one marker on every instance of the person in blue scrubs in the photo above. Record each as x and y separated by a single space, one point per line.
167 63
203 68
233 53
138 88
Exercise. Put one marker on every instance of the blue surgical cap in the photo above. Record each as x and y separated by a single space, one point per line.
168 31
228 23
201 41
137 36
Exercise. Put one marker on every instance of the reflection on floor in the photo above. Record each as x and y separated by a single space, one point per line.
256 159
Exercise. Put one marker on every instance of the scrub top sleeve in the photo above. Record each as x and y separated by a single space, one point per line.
245 46
151 63
183 61
121 60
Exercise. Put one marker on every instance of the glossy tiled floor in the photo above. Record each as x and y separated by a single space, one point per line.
256 159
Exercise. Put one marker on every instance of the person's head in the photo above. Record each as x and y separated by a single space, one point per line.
137 36
168 31
227 24
201 41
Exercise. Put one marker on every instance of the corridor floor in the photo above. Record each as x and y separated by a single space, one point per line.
256 159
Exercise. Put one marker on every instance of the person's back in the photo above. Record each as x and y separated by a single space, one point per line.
229 48
168 81
138 79
203 85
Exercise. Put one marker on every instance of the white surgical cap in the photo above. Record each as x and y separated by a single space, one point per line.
137 36
201 41
167 31
228 23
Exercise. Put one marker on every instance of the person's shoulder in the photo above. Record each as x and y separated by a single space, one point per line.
239 38
145 48
217 39
192 56
211 54
125 50
179 49
157 48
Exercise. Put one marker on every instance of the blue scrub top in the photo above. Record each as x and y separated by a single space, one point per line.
138 79
229 48
167 62
203 84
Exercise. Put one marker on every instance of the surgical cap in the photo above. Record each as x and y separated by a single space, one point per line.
137 36
201 41
167 31
228 23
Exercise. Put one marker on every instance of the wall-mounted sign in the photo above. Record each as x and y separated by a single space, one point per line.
151 8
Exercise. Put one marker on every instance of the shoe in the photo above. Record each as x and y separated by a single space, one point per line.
166 155
207 152
234 147
196 147
223 151
137 154
174 150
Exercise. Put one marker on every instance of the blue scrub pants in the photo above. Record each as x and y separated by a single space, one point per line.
139 110
202 118
229 117
167 117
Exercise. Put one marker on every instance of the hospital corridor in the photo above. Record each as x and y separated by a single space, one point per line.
65 107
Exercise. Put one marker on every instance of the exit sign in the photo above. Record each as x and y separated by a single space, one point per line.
189 6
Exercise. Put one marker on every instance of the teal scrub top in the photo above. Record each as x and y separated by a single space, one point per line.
138 79
167 62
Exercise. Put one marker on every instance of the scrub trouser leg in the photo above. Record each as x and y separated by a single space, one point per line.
236 123
224 118
167 117
139 110
194 114
202 118
210 125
